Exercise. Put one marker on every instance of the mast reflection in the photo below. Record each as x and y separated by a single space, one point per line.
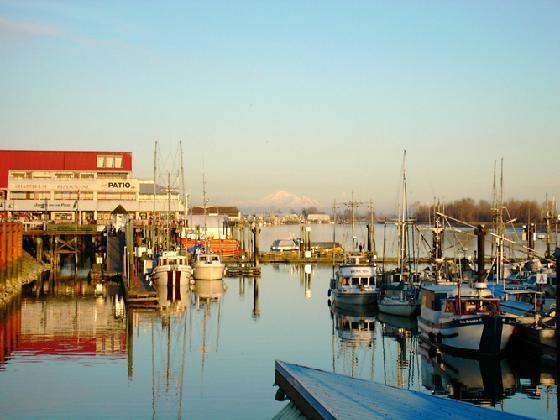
355 337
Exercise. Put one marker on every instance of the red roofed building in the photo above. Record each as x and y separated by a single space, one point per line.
71 186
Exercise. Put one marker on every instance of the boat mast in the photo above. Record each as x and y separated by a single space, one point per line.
333 233
352 203
204 199
168 209
154 197
402 222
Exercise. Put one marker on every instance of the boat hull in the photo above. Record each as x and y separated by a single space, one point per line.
354 298
208 271
478 334
172 285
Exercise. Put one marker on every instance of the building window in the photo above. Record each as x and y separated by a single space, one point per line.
66 195
42 195
126 196
85 195
21 195
109 161
64 175
40 175
112 175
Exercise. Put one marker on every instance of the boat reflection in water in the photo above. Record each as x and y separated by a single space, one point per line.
355 330
490 381
206 300
482 381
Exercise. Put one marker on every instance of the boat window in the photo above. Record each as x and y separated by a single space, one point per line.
355 325
438 301
450 306
355 281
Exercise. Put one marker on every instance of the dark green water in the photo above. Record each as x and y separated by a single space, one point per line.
67 352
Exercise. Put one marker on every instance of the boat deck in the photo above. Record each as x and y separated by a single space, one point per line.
321 394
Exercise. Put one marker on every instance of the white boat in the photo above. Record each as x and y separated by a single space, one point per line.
171 277
354 283
208 267
397 305
464 318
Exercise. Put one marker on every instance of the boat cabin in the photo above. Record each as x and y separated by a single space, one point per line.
356 281
172 258
473 306
208 258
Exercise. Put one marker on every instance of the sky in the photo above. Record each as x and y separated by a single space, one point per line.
317 98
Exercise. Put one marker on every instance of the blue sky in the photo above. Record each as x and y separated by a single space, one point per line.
317 98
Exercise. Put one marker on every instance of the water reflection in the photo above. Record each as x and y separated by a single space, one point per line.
489 381
63 319
355 340
484 381
207 302
400 353
168 331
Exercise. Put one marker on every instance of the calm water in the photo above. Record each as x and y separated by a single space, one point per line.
66 352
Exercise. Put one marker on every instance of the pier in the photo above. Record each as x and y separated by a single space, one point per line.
319 394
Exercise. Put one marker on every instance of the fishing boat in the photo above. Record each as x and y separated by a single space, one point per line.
464 318
208 266
354 283
171 277
401 299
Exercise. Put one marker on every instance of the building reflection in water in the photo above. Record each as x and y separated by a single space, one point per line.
66 318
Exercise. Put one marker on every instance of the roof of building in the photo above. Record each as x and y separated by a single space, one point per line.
220 210
56 160
119 210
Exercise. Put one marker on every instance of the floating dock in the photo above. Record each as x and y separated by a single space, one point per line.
325 395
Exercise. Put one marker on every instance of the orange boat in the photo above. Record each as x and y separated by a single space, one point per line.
224 247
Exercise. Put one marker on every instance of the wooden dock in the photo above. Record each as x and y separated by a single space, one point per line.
325 395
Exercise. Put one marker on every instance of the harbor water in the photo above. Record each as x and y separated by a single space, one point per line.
71 350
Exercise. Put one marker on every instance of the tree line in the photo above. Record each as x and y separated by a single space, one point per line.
469 210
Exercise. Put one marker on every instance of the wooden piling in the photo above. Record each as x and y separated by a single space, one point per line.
256 231
480 233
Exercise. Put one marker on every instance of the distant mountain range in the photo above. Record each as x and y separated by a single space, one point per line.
280 200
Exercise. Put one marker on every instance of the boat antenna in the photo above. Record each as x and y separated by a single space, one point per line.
183 190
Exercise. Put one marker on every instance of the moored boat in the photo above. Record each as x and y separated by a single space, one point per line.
208 267
354 283
464 318
171 277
